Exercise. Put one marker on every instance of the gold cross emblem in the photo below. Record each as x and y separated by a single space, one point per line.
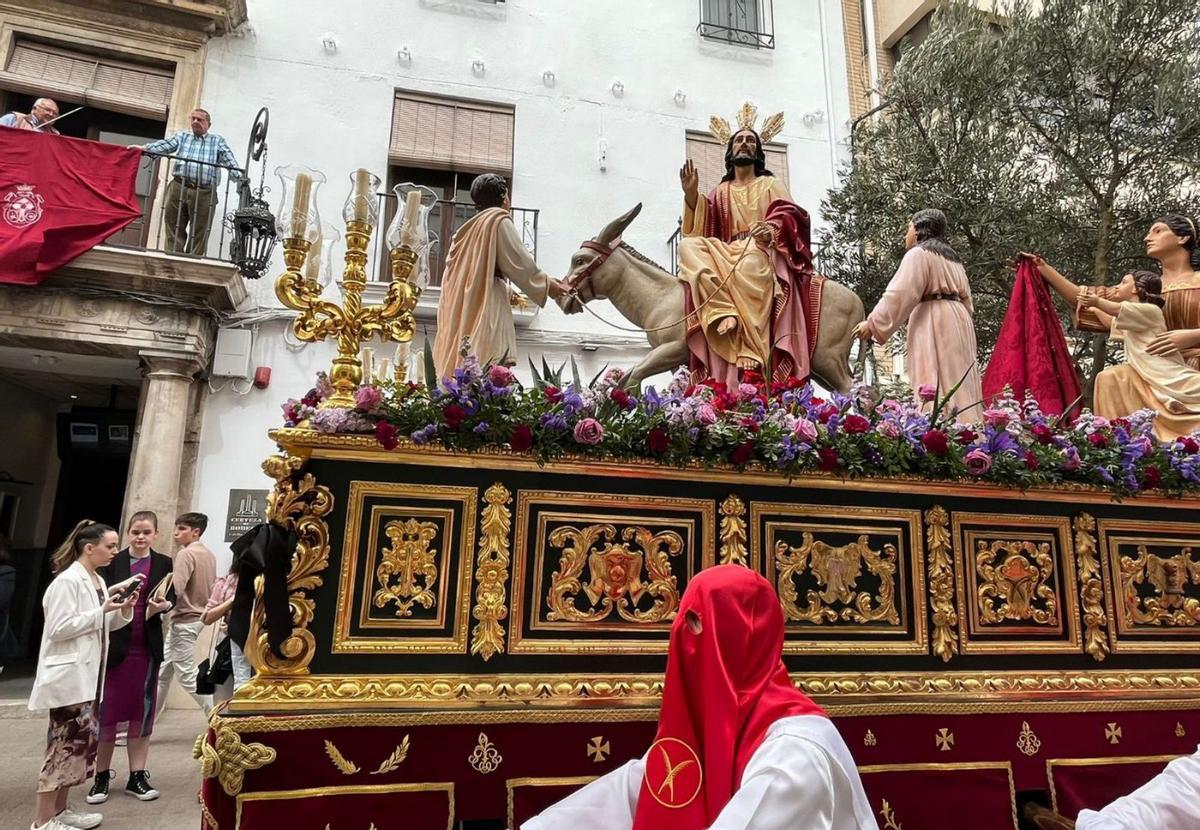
1179 730
598 749
869 739
1112 733
944 739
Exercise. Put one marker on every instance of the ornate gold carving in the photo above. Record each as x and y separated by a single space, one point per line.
1169 576
1014 575
1180 732
598 749
491 575
733 532
944 740
837 570
1091 589
869 739
228 759
207 820
889 817
1112 733
614 574
407 573
513 783
941 583
376 793
485 758
339 760
393 761
1027 742
300 504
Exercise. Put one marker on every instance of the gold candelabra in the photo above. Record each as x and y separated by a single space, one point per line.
351 322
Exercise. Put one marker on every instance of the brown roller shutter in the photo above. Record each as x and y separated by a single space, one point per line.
77 77
450 134
709 158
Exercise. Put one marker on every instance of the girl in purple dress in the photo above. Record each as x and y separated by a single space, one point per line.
134 655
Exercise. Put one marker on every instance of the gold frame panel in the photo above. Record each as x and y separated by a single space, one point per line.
525 621
1155 640
512 783
1066 583
911 588
965 766
344 642
1051 763
351 789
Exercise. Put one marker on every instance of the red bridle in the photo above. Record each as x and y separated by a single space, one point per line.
603 252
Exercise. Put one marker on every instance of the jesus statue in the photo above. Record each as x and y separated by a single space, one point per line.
746 259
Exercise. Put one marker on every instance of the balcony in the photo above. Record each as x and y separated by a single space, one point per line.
749 23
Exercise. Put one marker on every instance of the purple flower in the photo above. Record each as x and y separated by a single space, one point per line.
588 431
1071 460
978 462
805 430
553 421
425 434
367 398
481 428
706 415
747 391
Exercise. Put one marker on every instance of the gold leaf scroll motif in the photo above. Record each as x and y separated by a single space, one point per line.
491 574
941 583
837 570
1091 589
1014 582
408 572
1169 577
619 574
733 532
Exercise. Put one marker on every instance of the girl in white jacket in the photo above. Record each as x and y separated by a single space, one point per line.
80 611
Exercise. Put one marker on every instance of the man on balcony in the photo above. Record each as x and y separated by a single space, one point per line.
191 198
44 110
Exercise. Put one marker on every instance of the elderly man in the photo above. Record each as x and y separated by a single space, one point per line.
191 197
485 255
44 110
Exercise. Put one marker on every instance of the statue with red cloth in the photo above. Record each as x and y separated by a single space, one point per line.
746 260
738 747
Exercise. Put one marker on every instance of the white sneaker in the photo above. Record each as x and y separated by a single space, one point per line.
52 824
80 821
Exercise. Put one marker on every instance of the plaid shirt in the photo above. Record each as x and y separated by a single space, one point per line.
208 148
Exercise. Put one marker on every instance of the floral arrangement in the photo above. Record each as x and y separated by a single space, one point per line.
785 427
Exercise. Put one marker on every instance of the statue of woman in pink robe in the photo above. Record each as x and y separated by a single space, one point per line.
931 293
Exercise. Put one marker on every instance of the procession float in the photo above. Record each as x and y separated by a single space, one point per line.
464 613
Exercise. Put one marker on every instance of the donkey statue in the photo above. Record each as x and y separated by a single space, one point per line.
652 299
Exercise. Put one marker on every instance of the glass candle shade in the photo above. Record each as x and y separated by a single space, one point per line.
297 216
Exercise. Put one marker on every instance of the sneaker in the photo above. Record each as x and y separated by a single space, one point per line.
52 824
139 786
98 794
80 821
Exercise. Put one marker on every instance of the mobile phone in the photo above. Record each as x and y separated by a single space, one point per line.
124 593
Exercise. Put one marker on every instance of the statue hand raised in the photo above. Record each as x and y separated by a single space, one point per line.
689 180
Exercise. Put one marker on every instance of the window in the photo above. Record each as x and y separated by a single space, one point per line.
709 157
740 22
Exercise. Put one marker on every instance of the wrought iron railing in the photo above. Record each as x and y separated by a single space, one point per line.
673 247
445 218
740 22
184 203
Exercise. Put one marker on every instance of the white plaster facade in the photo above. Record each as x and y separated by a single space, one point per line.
331 109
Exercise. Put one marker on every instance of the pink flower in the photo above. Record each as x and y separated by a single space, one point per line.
367 398
997 418
706 415
589 431
888 429
926 392
501 376
805 430
614 376
978 462
747 391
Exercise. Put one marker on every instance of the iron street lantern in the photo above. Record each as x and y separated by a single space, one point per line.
252 223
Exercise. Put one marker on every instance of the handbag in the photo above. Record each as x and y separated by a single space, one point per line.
216 668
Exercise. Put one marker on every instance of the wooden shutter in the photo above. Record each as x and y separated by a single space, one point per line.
69 76
449 134
709 158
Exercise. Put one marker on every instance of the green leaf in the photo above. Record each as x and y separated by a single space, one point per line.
431 378
575 375
538 382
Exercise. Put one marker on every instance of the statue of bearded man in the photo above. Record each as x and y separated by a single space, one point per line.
746 258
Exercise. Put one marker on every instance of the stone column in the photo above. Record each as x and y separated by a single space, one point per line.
154 469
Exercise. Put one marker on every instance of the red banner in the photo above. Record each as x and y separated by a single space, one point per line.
59 197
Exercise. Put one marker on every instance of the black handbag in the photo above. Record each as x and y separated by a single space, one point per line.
215 671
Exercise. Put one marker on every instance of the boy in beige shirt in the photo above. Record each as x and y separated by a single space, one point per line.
194 574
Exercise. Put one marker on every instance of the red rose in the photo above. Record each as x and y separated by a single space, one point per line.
1151 476
658 440
966 436
385 434
521 438
750 424
620 397
553 394
936 441
742 453
827 459
312 398
454 415
751 376
1123 423
826 412
1189 445
1031 460
1043 433
1096 439
856 424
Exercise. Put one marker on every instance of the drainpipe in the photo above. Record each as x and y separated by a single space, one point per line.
868 12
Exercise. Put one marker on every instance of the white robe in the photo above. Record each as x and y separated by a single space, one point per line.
801 776
1169 801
